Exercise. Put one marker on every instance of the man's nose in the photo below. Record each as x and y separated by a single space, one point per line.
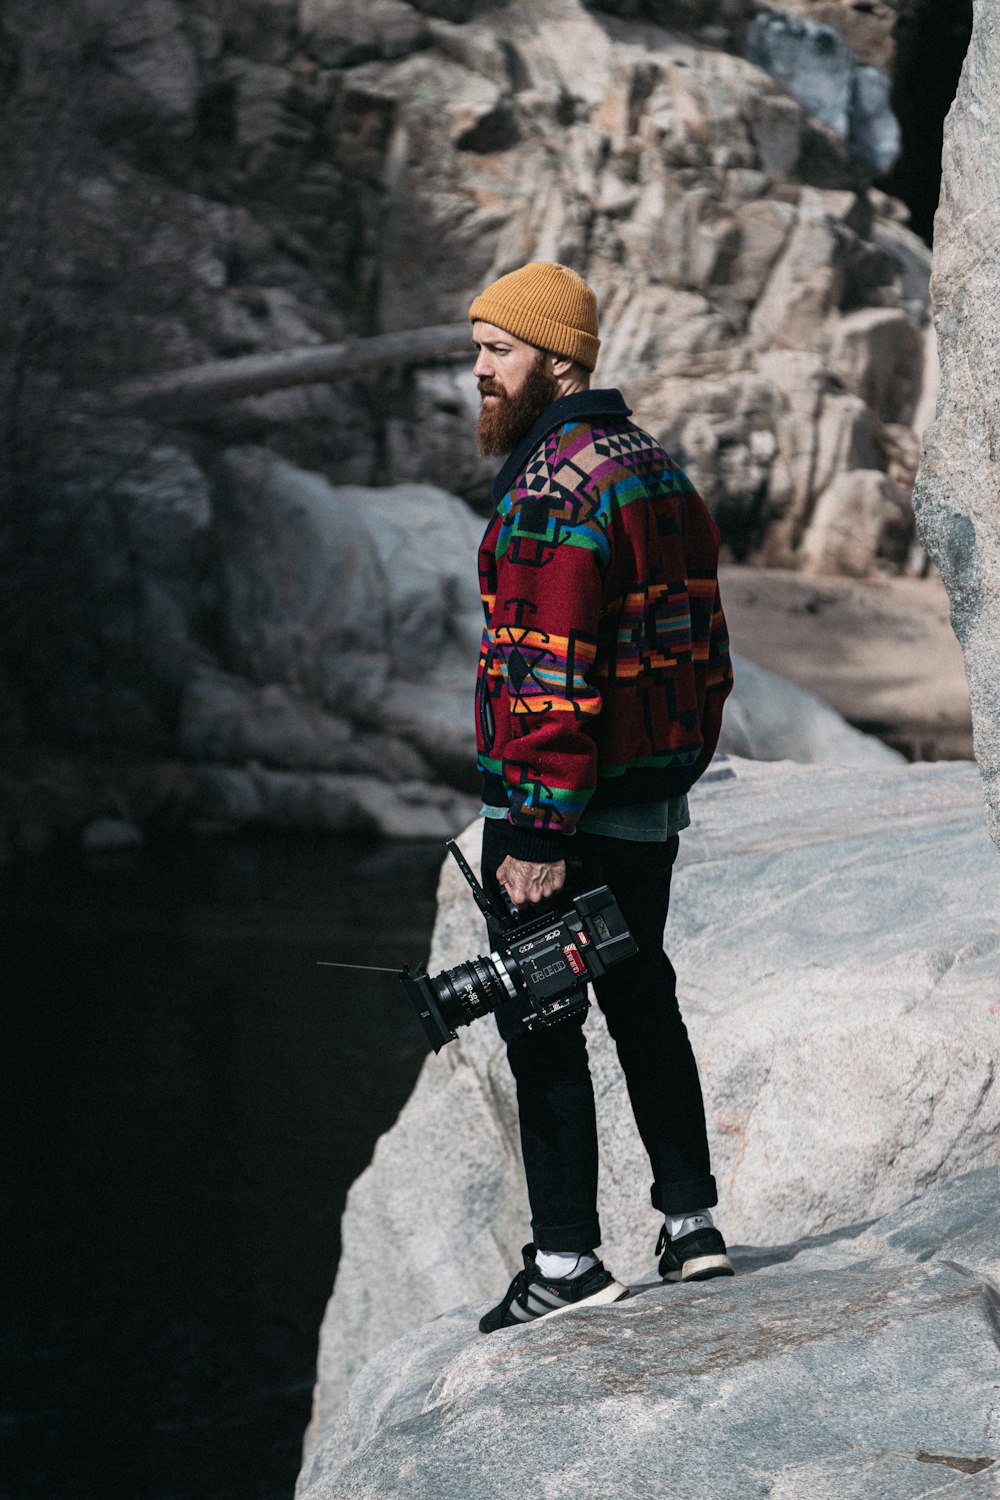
483 368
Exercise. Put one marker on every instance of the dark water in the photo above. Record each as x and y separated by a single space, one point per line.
189 1097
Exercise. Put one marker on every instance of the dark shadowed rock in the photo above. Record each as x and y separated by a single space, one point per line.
231 797
356 31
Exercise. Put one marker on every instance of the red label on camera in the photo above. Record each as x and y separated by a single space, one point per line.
574 960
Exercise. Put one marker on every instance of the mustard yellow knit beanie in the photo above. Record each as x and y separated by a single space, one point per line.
547 305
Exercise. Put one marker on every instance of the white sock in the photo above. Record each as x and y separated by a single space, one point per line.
564 1265
680 1224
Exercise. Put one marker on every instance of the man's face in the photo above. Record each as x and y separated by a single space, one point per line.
515 387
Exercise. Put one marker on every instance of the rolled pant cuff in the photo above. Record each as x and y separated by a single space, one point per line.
684 1197
585 1234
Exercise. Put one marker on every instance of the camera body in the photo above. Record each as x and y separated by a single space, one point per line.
537 974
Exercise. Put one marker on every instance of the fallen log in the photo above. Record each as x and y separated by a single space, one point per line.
187 392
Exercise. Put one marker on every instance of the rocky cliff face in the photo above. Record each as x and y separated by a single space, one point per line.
868 28
200 180
956 500
763 313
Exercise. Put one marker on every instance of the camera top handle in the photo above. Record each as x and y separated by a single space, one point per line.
483 901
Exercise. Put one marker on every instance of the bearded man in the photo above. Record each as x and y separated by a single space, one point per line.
604 669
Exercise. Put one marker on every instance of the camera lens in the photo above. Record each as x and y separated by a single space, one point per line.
457 996
471 989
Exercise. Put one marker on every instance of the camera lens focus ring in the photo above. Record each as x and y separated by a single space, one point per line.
471 989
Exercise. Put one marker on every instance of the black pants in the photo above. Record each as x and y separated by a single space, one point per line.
554 1091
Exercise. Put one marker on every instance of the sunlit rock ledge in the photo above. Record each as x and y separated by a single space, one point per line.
862 1369
837 938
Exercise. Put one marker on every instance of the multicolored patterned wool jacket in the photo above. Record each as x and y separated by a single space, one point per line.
605 658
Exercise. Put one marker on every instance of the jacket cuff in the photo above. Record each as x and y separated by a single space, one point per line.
533 843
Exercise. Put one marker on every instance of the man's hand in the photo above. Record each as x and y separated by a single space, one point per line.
528 882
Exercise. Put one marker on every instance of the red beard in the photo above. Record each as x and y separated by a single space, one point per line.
506 421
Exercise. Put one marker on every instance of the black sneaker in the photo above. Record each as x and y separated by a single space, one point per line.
532 1295
697 1256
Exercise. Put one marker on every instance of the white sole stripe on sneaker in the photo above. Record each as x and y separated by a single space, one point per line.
613 1292
700 1266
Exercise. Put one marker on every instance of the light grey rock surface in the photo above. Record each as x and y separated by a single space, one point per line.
955 1222
836 934
874 133
345 595
768 718
869 29
960 475
811 61
822 71
874 1379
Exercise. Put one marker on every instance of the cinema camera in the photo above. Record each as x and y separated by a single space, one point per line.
538 972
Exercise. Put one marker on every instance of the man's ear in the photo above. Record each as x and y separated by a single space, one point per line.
560 365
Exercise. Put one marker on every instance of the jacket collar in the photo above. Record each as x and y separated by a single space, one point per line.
581 406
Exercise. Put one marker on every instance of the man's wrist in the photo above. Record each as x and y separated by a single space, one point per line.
537 845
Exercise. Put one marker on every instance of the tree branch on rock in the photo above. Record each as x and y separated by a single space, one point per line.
187 392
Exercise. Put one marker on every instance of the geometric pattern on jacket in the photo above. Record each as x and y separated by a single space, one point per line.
605 656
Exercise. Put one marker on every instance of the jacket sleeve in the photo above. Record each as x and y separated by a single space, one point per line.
545 630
